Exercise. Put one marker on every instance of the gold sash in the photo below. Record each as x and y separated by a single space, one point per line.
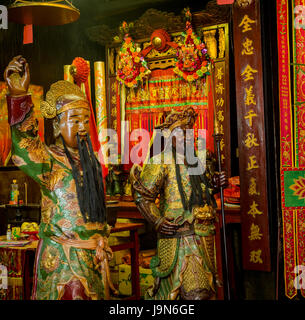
101 260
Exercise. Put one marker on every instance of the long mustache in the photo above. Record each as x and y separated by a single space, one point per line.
196 197
90 187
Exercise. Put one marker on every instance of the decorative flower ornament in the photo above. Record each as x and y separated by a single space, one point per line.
192 61
132 67
299 188
80 70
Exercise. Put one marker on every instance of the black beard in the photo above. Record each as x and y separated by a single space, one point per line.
196 197
90 187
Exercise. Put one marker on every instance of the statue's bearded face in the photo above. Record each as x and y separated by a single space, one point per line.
73 122
183 138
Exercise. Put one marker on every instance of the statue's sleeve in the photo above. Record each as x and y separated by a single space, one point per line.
29 153
146 186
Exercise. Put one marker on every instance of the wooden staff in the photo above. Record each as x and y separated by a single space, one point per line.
218 136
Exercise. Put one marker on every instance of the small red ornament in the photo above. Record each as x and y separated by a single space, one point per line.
28 34
159 39
81 70
220 2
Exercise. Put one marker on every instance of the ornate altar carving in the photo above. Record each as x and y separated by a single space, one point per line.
244 3
154 19
142 106
211 42
222 43
160 51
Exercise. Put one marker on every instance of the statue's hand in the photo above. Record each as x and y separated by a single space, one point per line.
219 283
220 180
166 227
17 76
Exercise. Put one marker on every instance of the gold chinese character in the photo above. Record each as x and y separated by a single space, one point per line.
255 232
246 23
113 99
251 141
113 87
252 188
220 116
219 88
253 209
248 48
175 92
249 116
255 256
219 73
219 102
252 164
167 93
249 96
154 92
221 129
161 93
248 73
222 144
115 125
114 112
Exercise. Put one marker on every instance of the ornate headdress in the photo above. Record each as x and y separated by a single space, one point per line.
62 96
183 119
132 68
192 61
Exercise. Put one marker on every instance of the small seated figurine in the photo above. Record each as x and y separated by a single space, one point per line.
114 181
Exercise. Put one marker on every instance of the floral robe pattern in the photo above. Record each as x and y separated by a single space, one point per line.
60 217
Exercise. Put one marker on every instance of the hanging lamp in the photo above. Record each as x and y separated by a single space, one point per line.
43 13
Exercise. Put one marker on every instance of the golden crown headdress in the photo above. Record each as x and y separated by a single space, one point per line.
60 89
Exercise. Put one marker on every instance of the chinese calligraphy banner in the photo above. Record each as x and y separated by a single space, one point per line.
251 137
221 106
293 206
298 9
217 42
114 100
287 148
287 158
292 151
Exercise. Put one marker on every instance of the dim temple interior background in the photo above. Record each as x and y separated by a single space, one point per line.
91 37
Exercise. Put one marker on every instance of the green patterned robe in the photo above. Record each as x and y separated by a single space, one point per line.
60 216
183 262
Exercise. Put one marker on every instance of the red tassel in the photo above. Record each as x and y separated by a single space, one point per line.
28 34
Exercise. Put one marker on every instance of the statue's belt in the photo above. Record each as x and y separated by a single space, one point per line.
184 230
102 256
90 244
